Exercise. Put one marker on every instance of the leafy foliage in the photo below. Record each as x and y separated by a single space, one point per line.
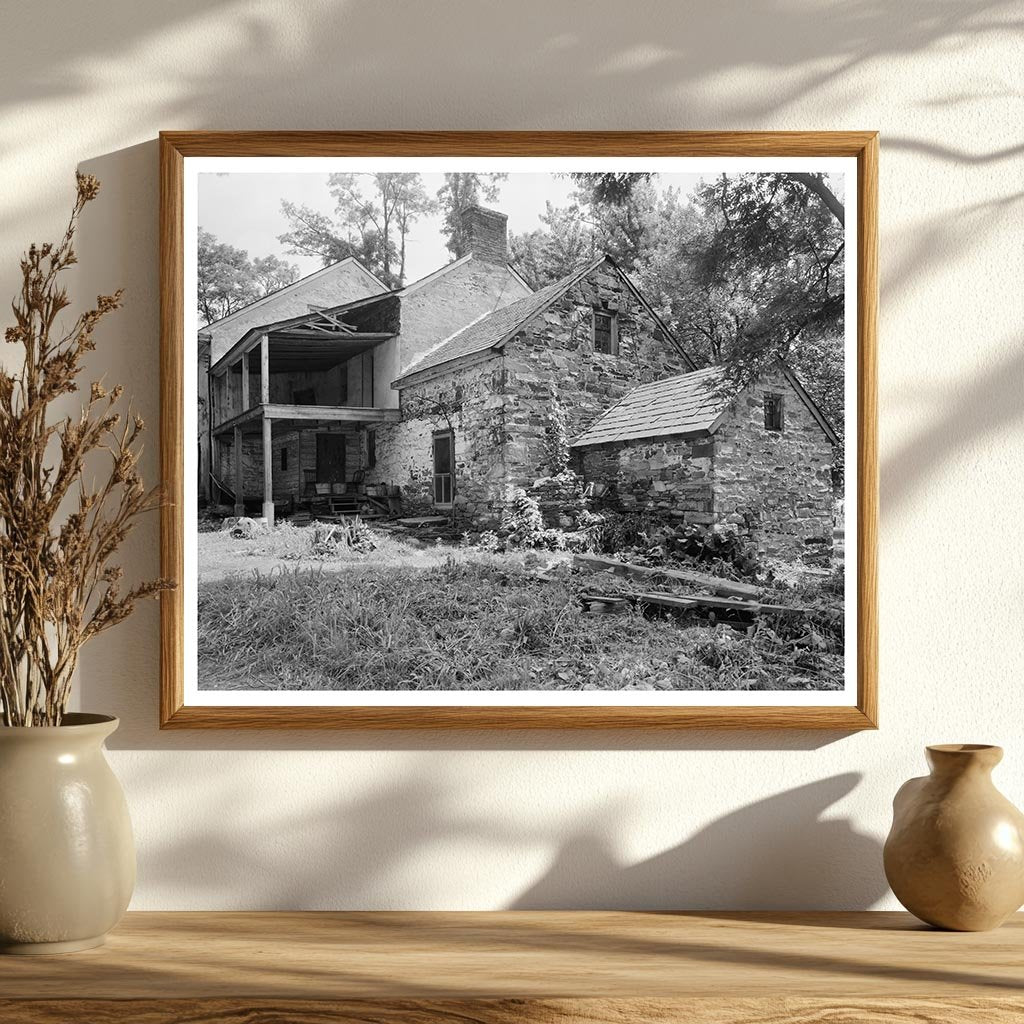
521 519
556 435
229 279
462 189
757 275
373 216
746 269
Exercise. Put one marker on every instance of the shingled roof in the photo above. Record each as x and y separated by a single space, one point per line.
494 329
491 329
687 404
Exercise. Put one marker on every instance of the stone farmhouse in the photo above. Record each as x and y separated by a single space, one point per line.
444 390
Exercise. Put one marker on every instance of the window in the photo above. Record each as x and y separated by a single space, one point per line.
284 458
773 412
444 450
606 334
371 449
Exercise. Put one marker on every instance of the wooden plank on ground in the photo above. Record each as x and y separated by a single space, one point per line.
717 585
720 603
424 521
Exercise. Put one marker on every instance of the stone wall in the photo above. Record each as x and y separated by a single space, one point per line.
474 398
774 486
554 355
667 477
782 481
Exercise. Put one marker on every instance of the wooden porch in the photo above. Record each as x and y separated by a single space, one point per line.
328 371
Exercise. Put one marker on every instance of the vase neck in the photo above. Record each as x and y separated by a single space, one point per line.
951 760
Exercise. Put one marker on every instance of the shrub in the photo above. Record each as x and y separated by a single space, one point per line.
521 519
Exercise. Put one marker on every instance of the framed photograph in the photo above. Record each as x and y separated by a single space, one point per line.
519 430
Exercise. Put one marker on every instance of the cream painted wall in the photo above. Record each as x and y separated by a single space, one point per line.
230 820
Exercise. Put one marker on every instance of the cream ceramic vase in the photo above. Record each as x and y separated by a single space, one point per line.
955 854
67 859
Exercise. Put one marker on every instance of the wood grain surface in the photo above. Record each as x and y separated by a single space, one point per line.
175 147
527 955
524 966
514 1011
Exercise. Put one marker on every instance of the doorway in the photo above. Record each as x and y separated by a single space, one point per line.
330 458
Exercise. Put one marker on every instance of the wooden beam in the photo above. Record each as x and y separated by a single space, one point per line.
265 369
332 339
717 585
336 413
245 383
236 421
325 413
237 481
268 473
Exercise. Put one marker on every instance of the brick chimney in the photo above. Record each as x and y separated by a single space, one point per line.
486 234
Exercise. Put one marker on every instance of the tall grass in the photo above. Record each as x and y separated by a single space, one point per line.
461 625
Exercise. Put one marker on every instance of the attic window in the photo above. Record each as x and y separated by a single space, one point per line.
606 332
773 413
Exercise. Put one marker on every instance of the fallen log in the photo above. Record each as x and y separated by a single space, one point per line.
717 585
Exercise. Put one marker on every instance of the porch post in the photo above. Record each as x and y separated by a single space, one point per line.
268 471
265 369
239 502
245 383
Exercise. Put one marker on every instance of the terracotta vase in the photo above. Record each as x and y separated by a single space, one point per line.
67 859
955 854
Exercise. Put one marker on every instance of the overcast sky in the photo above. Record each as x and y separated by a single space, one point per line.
244 209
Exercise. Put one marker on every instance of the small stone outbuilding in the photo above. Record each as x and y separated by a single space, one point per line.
686 449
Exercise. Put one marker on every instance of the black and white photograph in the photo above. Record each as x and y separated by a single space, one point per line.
521 430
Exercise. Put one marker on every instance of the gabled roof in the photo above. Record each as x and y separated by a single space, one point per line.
688 404
366 300
277 293
494 330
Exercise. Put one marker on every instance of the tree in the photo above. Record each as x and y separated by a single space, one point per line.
224 284
272 273
459 191
563 243
760 275
229 280
373 216
609 188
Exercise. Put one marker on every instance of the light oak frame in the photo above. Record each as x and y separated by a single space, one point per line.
176 146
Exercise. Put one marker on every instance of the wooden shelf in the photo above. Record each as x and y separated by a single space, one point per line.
501 968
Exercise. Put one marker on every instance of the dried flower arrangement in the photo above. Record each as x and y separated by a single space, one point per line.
58 586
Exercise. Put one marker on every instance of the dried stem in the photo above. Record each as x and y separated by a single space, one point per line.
58 585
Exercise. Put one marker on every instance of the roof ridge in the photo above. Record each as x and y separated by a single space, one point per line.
291 284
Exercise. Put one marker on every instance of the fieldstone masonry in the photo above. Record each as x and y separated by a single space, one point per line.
774 486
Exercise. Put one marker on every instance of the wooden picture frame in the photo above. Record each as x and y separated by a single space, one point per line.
177 147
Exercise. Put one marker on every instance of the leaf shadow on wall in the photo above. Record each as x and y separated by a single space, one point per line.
389 848
386 64
780 852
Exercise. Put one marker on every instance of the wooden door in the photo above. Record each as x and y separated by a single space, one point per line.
443 468
330 458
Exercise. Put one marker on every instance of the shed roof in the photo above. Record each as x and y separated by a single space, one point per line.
687 404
